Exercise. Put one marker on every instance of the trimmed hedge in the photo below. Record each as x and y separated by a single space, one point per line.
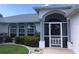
32 41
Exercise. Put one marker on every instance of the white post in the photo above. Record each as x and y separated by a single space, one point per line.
61 34
42 42
50 35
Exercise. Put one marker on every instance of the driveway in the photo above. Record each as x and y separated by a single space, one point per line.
57 51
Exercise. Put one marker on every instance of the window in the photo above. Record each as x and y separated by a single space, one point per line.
46 29
31 29
55 18
21 29
13 30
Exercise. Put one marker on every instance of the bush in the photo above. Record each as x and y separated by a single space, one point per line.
5 39
19 40
1 39
8 39
32 41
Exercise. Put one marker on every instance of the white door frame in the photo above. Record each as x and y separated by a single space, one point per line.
50 32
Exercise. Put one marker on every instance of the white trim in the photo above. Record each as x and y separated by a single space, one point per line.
55 22
61 34
49 35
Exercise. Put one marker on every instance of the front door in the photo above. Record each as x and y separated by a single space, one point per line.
55 34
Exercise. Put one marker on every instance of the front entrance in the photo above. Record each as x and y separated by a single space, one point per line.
55 34
55 31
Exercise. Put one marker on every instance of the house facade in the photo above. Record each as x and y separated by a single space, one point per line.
58 26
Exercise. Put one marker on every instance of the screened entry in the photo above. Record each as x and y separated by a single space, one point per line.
55 31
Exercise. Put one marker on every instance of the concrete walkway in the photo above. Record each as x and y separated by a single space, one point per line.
57 51
50 51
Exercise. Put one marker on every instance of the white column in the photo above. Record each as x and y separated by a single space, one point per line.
42 42
50 35
69 42
61 35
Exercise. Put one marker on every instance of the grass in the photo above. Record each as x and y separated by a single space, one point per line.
13 49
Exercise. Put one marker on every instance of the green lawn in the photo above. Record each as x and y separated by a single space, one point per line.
13 49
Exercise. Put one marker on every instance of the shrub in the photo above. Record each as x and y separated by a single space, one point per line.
19 40
1 39
5 39
8 39
32 41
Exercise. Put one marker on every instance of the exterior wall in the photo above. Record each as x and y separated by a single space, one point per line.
75 32
3 28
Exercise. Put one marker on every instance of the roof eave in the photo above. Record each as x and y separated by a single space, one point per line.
73 12
37 9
